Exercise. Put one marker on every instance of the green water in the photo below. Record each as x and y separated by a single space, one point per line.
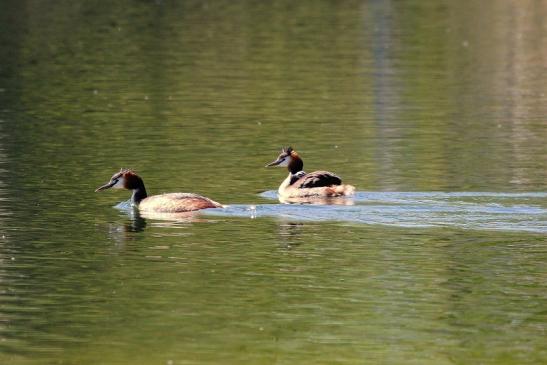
404 100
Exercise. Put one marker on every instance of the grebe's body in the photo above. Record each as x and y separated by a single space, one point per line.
164 203
300 184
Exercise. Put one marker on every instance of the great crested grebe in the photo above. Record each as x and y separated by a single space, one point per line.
164 203
300 184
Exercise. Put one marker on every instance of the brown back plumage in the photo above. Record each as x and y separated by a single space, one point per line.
177 202
317 179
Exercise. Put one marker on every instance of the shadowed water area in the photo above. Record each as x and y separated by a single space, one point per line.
434 110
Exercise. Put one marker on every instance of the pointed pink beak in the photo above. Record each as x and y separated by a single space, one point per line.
274 163
108 185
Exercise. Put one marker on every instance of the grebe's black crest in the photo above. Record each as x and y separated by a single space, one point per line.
117 175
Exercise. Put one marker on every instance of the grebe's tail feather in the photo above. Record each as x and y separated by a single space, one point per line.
341 190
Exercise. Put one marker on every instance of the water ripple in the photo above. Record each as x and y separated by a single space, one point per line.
469 210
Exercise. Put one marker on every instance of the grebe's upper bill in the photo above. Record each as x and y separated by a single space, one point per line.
108 185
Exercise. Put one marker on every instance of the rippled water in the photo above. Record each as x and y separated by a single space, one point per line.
434 110
467 210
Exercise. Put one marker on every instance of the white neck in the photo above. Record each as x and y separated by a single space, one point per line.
285 184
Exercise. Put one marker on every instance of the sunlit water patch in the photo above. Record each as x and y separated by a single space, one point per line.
468 210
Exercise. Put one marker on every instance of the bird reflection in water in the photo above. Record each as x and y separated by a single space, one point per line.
316 200
139 221
290 234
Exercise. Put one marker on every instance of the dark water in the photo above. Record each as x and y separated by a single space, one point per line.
435 111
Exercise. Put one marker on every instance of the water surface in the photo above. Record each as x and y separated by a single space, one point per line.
434 110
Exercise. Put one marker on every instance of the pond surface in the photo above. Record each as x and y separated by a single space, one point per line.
435 111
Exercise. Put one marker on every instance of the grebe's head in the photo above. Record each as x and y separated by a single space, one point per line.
284 158
125 179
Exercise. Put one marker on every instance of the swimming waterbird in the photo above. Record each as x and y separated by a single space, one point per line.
163 203
300 184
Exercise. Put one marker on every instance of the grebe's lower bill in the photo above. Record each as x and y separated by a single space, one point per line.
164 203
300 184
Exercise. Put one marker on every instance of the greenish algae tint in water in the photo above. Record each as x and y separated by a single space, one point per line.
434 110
